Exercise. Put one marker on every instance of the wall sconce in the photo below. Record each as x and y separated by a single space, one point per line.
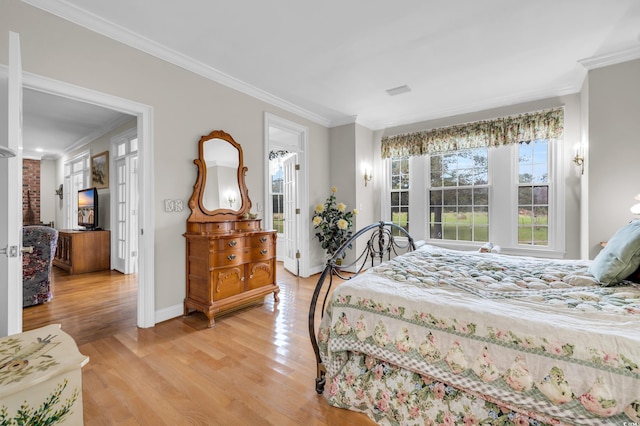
232 199
367 177
59 191
578 159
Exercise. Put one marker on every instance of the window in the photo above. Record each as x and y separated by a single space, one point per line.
533 193
459 195
400 192
504 195
77 175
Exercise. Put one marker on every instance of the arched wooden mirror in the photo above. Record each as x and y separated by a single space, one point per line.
220 192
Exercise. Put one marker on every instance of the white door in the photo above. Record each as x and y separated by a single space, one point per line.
11 194
291 214
126 221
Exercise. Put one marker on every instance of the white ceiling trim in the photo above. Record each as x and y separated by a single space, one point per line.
99 133
611 58
106 28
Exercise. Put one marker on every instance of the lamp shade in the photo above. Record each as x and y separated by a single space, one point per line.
635 209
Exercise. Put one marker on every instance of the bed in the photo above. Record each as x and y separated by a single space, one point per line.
429 335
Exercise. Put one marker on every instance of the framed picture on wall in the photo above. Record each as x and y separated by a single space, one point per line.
100 170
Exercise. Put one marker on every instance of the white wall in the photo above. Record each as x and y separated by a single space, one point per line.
49 201
614 149
185 107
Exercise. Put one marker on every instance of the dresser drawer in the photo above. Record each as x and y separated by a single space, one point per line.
261 253
263 240
226 258
224 244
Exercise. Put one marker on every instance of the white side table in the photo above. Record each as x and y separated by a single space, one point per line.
41 378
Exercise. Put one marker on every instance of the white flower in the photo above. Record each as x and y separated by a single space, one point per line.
317 220
334 189
355 211
342 207
319 208
343 224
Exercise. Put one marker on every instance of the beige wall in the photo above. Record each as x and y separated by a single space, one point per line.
185 107
614 149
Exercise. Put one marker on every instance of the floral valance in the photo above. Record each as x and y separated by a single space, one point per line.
548 124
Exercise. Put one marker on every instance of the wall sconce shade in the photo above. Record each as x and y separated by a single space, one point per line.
635 209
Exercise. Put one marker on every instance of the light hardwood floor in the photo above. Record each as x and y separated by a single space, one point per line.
254 367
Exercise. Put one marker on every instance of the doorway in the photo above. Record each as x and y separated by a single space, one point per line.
286 191
144 179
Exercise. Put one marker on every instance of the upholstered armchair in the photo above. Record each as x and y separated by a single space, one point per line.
36 266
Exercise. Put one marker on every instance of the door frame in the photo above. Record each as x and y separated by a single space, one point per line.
146 218
302 135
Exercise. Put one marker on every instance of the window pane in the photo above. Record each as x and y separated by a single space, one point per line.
481 196
525 195
533 193
400 186
455 181
435 198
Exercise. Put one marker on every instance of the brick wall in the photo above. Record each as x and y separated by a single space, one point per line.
30 191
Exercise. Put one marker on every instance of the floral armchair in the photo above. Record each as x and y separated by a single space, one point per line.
36 266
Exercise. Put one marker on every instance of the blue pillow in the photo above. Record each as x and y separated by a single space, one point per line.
620 257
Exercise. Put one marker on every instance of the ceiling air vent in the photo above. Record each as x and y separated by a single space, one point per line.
398 90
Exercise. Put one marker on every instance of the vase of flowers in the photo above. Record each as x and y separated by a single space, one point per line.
333 223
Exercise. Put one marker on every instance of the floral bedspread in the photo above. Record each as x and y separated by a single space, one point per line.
539 336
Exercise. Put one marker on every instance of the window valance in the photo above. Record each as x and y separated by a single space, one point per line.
547 124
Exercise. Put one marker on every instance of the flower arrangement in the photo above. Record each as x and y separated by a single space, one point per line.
333 223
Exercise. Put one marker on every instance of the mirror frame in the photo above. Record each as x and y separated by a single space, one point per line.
198 212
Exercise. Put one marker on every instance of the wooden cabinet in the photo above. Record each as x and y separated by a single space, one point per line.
79 252
229 269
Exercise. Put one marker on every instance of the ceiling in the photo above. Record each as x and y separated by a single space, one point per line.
333 61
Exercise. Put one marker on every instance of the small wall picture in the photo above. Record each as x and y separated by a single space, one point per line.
100 170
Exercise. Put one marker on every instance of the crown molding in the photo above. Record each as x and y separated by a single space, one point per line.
92 22
611 58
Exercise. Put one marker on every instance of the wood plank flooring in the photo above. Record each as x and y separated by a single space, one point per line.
254 367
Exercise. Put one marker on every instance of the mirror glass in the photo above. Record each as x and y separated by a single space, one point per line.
221 189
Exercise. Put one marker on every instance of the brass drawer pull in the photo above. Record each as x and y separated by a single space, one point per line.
264 251
263 239
231 257
232 243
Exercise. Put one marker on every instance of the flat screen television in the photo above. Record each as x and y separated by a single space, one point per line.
88 208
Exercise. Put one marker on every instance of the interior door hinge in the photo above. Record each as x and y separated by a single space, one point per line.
298 254
298 211
297 166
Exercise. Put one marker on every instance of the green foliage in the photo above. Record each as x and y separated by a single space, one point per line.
45 415
333 223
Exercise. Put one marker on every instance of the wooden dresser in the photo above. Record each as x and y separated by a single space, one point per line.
79 252
229 269
230 259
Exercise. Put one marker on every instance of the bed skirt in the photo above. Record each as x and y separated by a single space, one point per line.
363 385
